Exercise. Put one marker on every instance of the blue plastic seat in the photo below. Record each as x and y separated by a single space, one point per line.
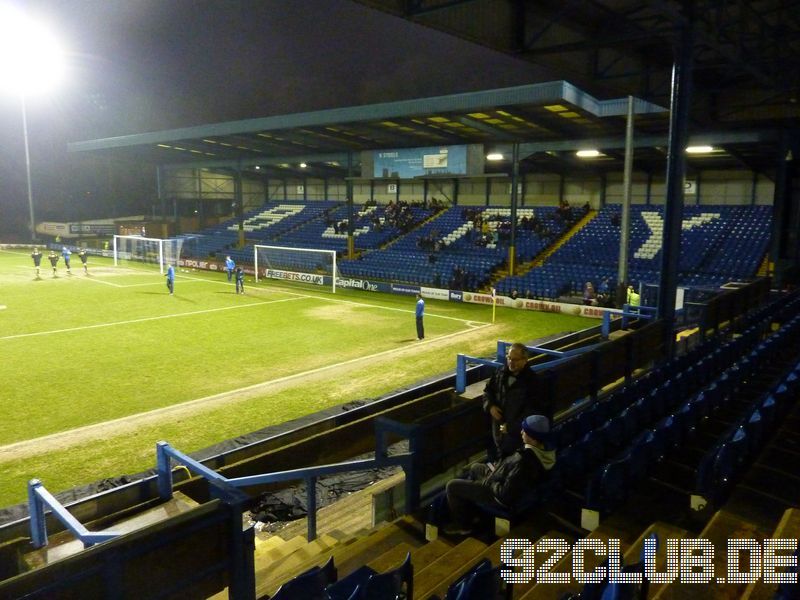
309 585
481 582
389 585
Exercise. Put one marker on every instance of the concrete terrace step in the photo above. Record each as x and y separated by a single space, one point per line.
429 577
787 528
64 544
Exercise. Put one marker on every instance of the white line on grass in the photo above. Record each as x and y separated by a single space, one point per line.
468 322
157 414
144 319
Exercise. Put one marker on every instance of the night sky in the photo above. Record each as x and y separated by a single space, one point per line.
146 65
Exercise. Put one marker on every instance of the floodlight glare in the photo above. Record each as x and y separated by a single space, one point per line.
303 165
31 59
587 153
699 149
494 156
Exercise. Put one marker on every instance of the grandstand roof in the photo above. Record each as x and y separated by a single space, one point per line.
556 115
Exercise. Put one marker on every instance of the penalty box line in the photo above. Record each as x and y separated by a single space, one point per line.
141 419
144 319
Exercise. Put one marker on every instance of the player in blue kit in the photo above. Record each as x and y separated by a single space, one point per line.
229 267
171 279
419 312
66 253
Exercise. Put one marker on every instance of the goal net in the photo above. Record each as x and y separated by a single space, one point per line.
134 248
304 265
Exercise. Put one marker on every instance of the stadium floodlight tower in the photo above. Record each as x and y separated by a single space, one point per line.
31 62
304 265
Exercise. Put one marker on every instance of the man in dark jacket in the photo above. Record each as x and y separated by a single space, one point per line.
509 398
505 484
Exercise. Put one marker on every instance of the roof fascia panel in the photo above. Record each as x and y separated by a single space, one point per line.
539 93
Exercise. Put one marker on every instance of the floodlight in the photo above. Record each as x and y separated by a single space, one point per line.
31 59
494 156
303 165
587 153
699 149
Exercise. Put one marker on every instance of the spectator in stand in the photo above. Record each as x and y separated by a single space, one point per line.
616 219
589 295
633 299
508 398
514 294
507 483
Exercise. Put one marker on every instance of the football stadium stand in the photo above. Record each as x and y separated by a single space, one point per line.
651 450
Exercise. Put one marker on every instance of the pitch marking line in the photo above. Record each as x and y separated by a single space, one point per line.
150 416
144 319
468 322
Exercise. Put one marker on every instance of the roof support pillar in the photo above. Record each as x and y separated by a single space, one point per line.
349 184
676 163
512 247
625 221
238 201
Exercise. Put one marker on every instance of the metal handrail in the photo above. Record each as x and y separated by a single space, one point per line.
38 499
166 454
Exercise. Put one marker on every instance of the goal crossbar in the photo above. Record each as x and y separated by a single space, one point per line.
289 250
135 240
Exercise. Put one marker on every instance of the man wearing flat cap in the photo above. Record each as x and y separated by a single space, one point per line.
508 482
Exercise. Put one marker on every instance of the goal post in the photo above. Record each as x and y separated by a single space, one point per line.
162 252
306 265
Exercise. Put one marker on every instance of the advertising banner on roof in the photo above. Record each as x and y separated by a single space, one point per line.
407 163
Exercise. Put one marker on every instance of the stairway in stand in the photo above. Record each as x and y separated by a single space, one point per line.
540 258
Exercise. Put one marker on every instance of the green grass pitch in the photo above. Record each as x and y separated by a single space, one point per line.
98 367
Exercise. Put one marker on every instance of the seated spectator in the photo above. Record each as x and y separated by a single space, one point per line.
616 219
514 294
506 483
528 294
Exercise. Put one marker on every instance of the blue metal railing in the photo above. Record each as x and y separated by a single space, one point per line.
166 454
463 361
38 499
